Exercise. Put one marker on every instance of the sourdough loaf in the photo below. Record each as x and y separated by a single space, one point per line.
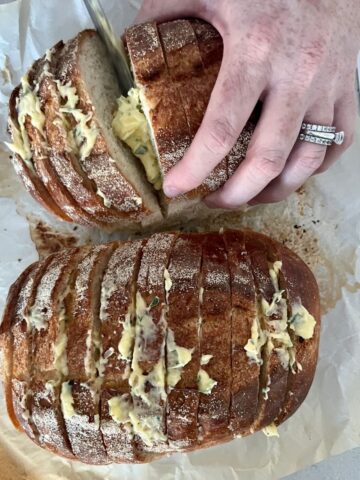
124 352
95 158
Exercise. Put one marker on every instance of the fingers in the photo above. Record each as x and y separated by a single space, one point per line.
234 97
303 161
344 120
168 9
268 151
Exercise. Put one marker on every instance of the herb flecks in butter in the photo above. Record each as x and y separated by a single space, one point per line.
271 430
302 322
205 383
177 358
130 125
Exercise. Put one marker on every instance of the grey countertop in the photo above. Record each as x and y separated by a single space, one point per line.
341 467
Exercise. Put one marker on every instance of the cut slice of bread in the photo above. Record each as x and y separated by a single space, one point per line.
301 290
40 82
117 324
148 368
120 179
63 155
214 381
24 166
182 346
82 390
245 371
272 312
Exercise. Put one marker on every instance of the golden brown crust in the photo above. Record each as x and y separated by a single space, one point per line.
111 275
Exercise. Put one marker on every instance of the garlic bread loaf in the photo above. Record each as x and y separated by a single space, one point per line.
94 157
127 351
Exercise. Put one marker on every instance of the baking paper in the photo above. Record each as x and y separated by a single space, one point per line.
321 223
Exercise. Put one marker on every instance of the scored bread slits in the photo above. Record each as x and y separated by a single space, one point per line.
183 333
48 326
301 289
215 341
245 373
273 373
117 321
81 389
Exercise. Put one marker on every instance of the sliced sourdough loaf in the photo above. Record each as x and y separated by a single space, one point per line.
128 351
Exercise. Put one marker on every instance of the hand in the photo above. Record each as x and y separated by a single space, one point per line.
299 58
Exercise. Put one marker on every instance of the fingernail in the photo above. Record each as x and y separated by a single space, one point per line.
170 190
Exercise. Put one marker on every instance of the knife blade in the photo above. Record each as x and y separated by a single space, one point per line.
113 44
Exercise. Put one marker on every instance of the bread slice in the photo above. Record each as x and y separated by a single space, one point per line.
214 380
11 317
41 84
85 64
48 325
63 154
245 371
186 68
182 346
301 289
84 352
160 98
148 368
117 322
273 372
24 165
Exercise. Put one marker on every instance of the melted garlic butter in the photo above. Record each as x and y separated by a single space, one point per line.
130 125
205 383
59 347
119 408
67 401
256 342
127 338
27 105
302 322
177 358
271 430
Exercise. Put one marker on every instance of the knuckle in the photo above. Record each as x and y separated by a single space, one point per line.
312 160
221 136
269 163
348 140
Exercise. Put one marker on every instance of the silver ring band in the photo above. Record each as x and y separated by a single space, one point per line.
320 134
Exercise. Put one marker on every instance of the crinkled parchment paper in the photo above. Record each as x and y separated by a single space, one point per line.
321 223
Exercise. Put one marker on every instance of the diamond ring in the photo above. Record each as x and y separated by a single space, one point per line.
320 134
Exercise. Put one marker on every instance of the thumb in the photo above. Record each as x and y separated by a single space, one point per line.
167 10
